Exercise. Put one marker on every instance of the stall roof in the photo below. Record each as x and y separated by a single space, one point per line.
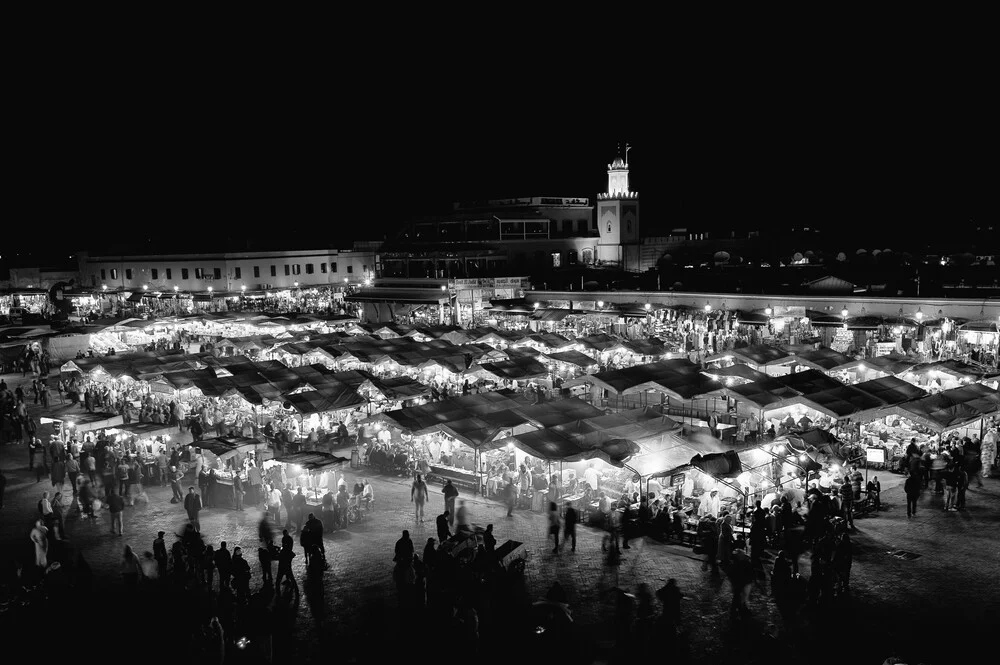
514 368
550 314
759 355
809 381
552 445
550 340
600 342
951 408
890 364
645 347
401 388
328 398
313 461
956 368
822 359
839 402
226 447
764 393
679 377
891 390
740 370
661 463
417 296
146 429
83 421
573 358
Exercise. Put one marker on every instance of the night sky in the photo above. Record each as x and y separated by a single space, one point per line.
209 171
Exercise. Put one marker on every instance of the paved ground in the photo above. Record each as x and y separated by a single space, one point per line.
912 608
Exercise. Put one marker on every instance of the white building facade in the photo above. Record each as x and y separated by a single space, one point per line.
227 271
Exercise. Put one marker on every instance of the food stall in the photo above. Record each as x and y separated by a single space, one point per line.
227 455
314 471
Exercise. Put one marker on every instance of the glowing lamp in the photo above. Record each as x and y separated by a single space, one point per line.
648 307
444 288
708 307
535 305
844 312
104 287
296 285
145 287
768 311
600 303
243 287
802 458
176 289
920 315
210 289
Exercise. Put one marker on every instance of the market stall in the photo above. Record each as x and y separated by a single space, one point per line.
226 456
315 472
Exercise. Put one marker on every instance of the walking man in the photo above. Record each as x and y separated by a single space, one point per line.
238 491
160 554
419 496
116 505
450 494
570 519
912 488
192 504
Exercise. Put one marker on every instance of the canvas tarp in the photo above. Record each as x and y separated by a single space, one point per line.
950 409
679 378
64 347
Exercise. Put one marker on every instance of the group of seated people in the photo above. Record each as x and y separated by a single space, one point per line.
387 457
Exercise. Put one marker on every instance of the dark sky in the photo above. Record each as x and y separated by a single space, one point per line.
203 167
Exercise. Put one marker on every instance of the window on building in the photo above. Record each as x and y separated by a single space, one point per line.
154 273
256 271
309 268
571 257
333 267
581 225
184 273
364 268
274 271
238 273
556 259
588 256
114 273
168 271
199 273
288 270
104 274
217 273
128 273
322 267
350 268
297 269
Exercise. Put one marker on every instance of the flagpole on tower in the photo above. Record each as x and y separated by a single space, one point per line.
627 148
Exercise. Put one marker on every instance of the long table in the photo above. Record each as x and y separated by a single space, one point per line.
459 475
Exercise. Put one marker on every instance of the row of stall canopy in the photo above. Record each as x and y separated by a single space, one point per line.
684 382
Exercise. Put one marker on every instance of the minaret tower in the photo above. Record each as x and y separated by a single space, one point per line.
618 217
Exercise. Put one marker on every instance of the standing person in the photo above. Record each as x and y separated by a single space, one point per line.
175 485
951 484
211 497
450 494
285 557
708 541
571 519
73 470
264 557
725 547
847 497
224 563
58 472
40 538
241 575
403 552
462 517
116 506
89 467
874 488
912 487
741 578
238 491
961 484
130 568
987 454
286 503
192 504
419 495
121 475
554 525
442 527
160 554
299 508
274 503
510 497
